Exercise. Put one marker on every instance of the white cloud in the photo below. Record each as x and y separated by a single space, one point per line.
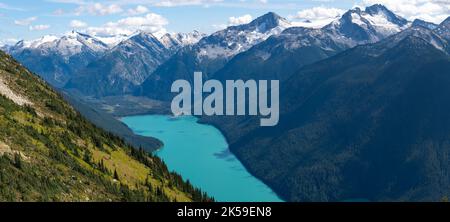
77 24
9 41
318 13
430 10
39 27
233 21
26 21
78 2
240 20
140 9
99 9
316 17
173 3
258 4
151 22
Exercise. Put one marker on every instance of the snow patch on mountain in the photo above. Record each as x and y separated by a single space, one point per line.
112 41
425 24
178 40
430 36
444 29
236 39
371 25
70 44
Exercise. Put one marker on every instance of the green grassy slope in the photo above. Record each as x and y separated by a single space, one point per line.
49 152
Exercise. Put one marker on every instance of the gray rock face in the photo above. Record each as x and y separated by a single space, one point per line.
211 53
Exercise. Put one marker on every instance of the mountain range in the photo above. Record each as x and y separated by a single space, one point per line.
279 45
368 123
211 53
58 59
363 99
123 68
86 58
144 65
298 46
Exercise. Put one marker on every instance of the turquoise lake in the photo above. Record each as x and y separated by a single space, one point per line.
200 153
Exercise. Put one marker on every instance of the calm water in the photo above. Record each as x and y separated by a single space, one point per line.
200 153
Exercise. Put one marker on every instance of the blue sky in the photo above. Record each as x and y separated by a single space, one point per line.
30 19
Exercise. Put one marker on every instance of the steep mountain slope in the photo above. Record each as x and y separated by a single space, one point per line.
48 152
176 41
111 124
121 68
128 64
376 22
444 29
369 123
211 53
424 24
283 54
57 59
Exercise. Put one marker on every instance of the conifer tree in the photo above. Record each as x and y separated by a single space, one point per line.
116 176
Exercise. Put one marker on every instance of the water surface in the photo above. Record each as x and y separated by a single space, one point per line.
200 153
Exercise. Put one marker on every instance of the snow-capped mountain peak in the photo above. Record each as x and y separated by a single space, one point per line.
148 36
268 22
371 25
425 24
235 39
38 42
446 23
444 29
420 32
178 40
71 43
381 10
112 40
74 40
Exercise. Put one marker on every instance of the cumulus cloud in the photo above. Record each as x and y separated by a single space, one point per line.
39 27
430 10
319 13
173 3
99 9
240 20
26 21
316 17
139 10
8 41
233 21
151 22
77 24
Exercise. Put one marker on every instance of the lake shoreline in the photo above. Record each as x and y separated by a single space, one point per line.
217 126
226 140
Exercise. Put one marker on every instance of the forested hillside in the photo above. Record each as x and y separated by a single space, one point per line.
49 152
